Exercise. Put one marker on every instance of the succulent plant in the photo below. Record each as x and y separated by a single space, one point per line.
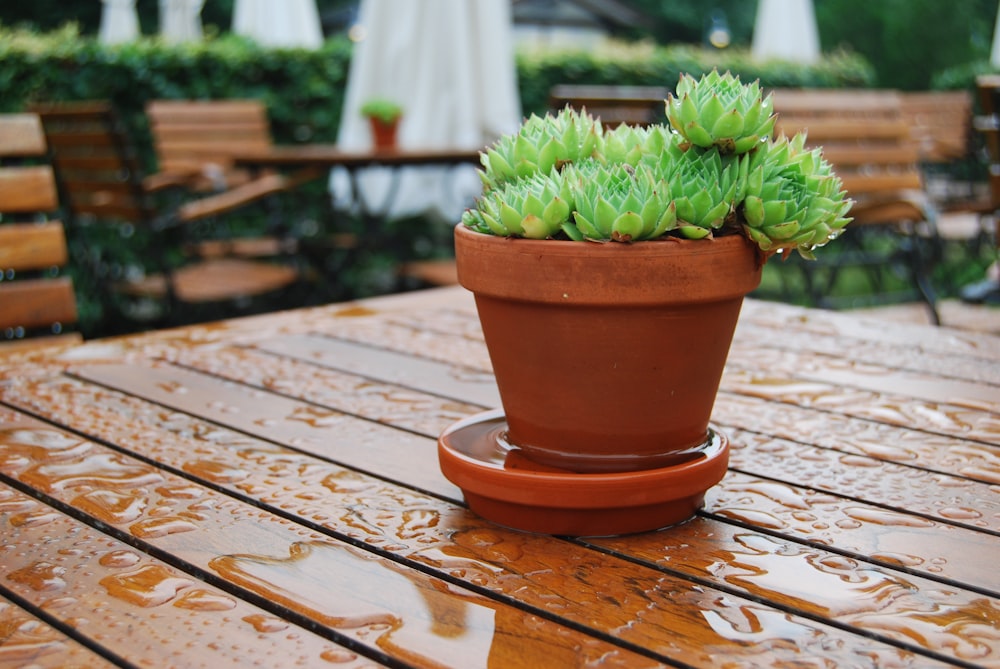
793 199
541 145
619 202
704 186
714 170
535 207
383 109
717 110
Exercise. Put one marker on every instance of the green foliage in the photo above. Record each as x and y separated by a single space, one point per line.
645 64
909 41
383 109
303 90
564 177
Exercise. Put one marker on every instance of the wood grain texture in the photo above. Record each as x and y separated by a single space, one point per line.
286 463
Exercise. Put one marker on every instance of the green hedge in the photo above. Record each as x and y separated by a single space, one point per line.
647 65
304 90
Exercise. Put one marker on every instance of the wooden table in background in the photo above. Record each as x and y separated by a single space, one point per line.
265 492
330 156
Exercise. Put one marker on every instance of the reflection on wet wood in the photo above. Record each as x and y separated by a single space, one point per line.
451 540
26 641
268 488
92 582
368 601
380 523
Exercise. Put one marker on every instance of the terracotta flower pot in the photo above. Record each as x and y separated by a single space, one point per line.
383 134
608 358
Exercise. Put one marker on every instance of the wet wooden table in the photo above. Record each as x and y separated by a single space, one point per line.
265 492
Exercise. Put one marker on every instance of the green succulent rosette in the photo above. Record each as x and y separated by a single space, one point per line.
618 202
704 187
541 145
630 145
719 111
714 170
537 207
793 199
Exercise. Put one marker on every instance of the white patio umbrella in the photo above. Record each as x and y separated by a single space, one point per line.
450 64
279 23
119 22
180 20
786 29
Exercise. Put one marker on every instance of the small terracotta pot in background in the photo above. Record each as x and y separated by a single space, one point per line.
384 134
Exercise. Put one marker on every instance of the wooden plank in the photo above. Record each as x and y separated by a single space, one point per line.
106 588
555 580
28 641
362 445
27 246
899 441
32 303
845 473
789 387
386 608
21 136
969 504
857 332
470 384
825 585
27 189
835 102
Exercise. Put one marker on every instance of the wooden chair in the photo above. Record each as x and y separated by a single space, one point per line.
940 123
37 303
868 141
196 140
101 182
614 105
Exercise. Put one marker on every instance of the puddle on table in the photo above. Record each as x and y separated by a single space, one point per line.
871 598
147 586
399 610
108 471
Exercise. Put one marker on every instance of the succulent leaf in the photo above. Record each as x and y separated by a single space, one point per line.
718 110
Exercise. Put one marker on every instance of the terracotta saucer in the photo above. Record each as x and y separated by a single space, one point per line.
503 486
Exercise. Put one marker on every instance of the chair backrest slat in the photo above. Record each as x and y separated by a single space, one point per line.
863 134
31 297
190 134
21 136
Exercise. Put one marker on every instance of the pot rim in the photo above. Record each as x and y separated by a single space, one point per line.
666 271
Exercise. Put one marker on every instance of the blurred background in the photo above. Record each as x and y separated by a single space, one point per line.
53 50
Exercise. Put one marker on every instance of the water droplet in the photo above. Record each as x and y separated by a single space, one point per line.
40 576
149 585
110 506
886 517
120 558
955 513
266 624
217 472
161 527
337 656
99 470
752 517
203 600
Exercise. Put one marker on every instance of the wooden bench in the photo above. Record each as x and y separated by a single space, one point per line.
102 182
37 302
940 122
866 138
614 105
